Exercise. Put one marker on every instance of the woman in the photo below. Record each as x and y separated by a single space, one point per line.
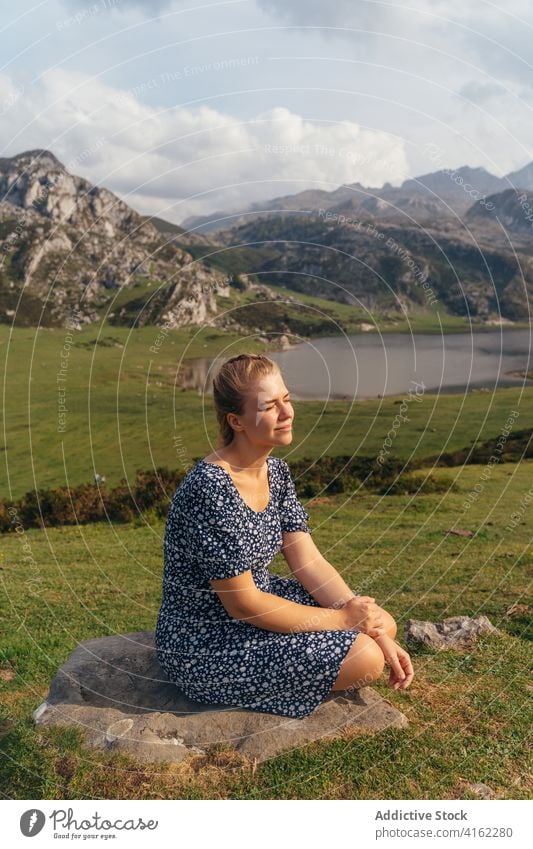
229 631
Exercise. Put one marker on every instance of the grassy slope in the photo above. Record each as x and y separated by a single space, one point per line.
467 709
132 417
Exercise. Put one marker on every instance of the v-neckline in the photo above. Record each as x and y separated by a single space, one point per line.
256 512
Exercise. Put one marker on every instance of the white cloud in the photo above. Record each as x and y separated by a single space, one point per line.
498 38
336 13
481 92
158 159
361 13
148 6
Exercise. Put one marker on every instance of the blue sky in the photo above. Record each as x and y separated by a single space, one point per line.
185 107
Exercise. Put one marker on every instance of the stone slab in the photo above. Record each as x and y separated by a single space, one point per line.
115 690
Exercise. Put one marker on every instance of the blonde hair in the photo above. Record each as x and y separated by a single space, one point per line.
230 385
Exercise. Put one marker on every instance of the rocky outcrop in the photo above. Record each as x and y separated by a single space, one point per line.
71 246
114 689
454 632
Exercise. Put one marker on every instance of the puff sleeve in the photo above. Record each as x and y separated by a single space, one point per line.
216 535
293 515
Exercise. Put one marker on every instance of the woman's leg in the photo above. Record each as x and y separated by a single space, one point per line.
364 663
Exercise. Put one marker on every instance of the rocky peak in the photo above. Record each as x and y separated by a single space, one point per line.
450 182
31 157
36 180
58 230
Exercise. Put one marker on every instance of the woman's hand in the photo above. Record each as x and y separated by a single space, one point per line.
401 668
363 613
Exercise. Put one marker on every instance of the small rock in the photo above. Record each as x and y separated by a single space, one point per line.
451 633
517 610
460 532
481 790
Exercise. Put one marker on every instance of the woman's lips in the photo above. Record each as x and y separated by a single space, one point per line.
287 427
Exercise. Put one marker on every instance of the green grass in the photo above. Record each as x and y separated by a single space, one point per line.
349 317
125 412
467 709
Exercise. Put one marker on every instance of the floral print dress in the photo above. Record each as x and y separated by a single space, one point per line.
211 533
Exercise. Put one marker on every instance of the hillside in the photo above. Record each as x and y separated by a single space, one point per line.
386 266
73 251
511 210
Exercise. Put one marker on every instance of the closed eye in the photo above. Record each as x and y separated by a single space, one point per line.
272 405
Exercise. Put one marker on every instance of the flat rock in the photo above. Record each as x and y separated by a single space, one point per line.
451 633
115 690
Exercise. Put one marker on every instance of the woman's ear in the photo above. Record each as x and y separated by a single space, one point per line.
233 421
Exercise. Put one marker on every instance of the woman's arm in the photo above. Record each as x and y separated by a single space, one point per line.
243 600
401 668
327 587
319 577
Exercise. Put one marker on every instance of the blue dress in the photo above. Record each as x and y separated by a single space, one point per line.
211 533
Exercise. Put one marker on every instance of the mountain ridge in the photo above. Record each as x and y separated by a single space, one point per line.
69 246
66 244
435 193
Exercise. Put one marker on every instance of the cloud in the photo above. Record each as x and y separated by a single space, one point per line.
182 161
122 5
337 13
496 37
361 13
481 92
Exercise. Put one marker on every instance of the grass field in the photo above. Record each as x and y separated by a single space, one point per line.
468 710
124 411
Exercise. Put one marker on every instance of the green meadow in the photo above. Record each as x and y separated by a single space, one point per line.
469 711
125 410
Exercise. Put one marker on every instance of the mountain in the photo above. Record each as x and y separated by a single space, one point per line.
175 233
449 184
386 266
523 178
310 199
459 239
512 209
445 194
71 249
165 227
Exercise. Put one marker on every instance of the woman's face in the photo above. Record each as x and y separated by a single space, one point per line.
268 413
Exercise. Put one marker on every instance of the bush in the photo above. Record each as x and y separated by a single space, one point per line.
411 484
149 491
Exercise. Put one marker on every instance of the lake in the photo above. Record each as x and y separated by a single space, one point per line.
366 365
